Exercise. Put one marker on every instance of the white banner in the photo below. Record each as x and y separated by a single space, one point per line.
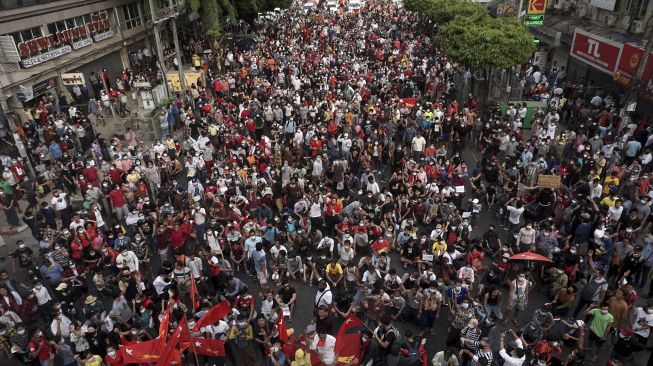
82 43
103 36
47 56
604 4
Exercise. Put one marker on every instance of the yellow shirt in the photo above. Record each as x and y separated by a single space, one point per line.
334 270
94 361
170 144
608 201
439 247
133 177
609 180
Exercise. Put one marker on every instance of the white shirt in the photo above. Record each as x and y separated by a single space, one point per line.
59 203
515 214
326 242
510 360
642 314
130 260
42 295
323 297
159 285
418 143
327 351
63 325
221 329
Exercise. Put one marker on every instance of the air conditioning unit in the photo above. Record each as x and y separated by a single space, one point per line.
581 11
559 4
610 19
638 26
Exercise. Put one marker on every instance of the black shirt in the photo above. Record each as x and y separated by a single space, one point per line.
286 294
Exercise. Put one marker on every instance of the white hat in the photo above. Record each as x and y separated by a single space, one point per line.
214 260
475 201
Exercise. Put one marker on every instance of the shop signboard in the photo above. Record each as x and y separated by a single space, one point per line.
536 7
595 50
82 43
647 79
631 57
533 20
72 78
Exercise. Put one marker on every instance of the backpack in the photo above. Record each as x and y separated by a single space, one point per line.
241 338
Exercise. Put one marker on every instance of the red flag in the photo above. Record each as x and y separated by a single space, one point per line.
194 295
216 313
163 326
208 347
143 352
348 341
281 327
168 352
185 338
409 102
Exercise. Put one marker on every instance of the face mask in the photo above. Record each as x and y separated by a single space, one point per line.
21 332
465 305
111 354
529 227
604 311
522 278
38 287
242 324
21 246
457 288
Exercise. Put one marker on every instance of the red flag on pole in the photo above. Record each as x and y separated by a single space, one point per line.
194 295
168 353
348 341
143 352
163 326
213 315
208 347
281 327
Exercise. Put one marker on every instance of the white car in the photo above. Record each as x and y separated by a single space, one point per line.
354 6
309 6
332 5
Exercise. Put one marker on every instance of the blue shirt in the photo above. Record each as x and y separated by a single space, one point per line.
259 260
52 274
461 295
281 359
55 150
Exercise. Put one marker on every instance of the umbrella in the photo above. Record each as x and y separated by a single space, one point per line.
530 256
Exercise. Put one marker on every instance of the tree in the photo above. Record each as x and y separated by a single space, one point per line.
443 11
487 42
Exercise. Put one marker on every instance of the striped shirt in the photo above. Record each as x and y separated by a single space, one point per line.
479 354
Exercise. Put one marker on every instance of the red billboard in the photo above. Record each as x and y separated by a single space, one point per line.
597 51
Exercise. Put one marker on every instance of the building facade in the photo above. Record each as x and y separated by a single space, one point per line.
49 46
599 42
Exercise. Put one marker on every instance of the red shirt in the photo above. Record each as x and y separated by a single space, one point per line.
380 245
114 361
44 353
117 198
177 237
116 175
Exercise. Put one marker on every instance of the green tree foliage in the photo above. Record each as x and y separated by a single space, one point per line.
211 15
487 42
443 11
229 8
247 9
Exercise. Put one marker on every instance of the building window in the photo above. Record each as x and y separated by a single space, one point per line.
26 35
130 15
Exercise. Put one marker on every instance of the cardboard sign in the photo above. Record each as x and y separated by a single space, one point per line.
548 181
427 257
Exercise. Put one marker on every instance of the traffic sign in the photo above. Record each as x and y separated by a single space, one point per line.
534 20
536 7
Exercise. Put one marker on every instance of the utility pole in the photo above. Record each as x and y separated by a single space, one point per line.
182 80
159 50
633 89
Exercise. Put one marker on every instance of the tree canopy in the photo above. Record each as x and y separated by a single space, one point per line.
213 11
443 11
472 37
487 42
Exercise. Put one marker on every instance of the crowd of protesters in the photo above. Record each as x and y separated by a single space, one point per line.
335 154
